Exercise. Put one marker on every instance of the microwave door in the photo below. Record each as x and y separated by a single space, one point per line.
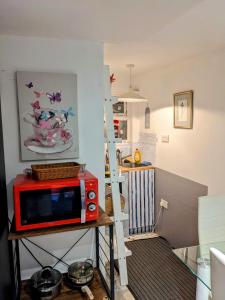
83 201
50 205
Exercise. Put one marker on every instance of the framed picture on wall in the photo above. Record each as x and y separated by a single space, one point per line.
48 115
123 130
183 110
120 128
120 108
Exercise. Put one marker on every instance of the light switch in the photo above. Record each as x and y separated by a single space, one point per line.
165 138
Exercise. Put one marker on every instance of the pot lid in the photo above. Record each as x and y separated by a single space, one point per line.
80 269
46 275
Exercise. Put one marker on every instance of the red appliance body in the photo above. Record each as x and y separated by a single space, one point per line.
49 203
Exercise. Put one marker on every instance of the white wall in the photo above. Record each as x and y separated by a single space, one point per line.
86 60
197 154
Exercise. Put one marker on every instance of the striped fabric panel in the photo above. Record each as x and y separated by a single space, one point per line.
141 201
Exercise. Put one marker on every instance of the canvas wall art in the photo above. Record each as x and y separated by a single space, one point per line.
48 115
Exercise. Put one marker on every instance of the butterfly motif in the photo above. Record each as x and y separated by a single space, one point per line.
35 105
67 113
51 114
112 78
38 94
29 85
44 116
54 97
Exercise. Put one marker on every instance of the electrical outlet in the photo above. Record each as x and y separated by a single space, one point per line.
165 138
164 203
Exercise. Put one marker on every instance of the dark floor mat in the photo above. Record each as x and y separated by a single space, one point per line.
155 273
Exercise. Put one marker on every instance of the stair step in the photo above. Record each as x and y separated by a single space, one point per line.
122 217
118 179
115 140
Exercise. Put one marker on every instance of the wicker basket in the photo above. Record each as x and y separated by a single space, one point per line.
55 171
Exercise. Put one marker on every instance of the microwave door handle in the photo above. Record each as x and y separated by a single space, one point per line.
83 201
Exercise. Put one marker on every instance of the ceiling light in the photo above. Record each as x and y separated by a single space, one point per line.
131 95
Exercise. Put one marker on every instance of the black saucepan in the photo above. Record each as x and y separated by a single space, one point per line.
80 276
46 283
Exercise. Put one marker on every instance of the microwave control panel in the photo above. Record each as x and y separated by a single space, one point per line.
92 198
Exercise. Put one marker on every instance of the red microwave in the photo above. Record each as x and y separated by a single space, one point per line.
42 204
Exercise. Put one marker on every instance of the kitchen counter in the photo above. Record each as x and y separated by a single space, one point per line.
141 168
126 169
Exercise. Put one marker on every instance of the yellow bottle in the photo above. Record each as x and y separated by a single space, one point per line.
137 156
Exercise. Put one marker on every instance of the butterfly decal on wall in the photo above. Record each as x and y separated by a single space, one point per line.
54 97
112 78
35 105
29 85
67 113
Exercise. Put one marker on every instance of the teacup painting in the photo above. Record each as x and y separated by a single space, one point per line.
48 115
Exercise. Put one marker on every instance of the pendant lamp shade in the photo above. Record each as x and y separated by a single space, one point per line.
131 95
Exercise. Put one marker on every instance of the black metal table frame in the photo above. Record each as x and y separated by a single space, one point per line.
110 288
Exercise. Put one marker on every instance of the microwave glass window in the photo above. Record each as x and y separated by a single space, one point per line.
50 205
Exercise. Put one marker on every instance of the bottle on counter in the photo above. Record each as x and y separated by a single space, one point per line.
137 156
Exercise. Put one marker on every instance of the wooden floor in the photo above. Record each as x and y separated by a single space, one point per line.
68 294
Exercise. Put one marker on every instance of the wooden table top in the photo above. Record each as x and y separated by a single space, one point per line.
103 220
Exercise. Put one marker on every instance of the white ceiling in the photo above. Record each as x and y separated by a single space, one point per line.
148 33
200 29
